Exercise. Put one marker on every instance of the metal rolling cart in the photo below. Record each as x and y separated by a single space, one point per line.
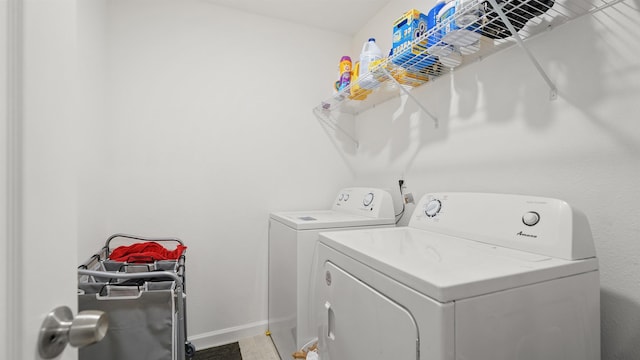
145 300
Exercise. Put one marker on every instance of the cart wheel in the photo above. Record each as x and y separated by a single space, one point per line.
189 350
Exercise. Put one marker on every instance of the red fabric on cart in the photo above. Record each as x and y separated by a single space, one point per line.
146 252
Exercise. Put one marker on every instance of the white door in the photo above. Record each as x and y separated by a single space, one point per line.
361 323
37 170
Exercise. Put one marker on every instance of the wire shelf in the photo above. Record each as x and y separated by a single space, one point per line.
496 25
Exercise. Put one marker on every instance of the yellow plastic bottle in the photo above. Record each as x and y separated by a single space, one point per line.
357 93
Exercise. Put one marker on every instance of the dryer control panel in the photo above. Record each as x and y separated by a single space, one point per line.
370 202
538 225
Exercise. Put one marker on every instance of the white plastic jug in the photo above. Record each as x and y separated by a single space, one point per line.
370 53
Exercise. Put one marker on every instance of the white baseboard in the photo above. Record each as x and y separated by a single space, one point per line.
228 335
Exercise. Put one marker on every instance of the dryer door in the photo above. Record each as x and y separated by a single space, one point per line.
360 323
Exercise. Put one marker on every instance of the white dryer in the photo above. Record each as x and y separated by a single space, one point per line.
473 277
293 240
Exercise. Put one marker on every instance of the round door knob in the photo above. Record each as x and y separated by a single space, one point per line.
59 328
89 327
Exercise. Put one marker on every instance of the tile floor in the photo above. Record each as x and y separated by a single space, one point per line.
258 347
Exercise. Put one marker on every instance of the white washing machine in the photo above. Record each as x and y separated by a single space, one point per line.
473 277
293 240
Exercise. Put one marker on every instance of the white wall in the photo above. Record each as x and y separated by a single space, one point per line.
207 128
92 128
500 133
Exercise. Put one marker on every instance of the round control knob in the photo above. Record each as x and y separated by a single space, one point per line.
433 208
346 197
368 199
531 218
341 197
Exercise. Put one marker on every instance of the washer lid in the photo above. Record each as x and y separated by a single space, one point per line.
448 268
326 219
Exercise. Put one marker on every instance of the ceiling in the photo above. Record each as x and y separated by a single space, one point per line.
342 16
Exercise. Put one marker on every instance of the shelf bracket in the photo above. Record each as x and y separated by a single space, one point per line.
553 95
406 92
324 116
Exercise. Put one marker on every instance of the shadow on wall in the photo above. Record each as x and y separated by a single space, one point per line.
419 128
622 314
574 70
390 124
339 129
587 88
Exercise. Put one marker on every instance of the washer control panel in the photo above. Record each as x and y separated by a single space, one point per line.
370 202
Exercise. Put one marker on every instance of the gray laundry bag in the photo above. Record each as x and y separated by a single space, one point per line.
142 322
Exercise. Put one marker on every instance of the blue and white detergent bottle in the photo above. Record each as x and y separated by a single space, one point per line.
435 45
370 53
